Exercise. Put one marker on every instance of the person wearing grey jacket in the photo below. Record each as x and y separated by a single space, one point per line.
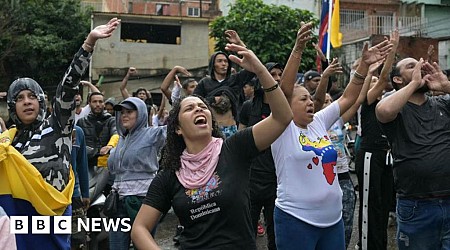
134 161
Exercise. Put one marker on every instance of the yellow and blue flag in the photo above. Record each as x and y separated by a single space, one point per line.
24 192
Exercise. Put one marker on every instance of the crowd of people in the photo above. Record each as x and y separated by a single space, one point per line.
235 146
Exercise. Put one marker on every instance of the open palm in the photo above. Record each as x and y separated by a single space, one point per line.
105 30
376 53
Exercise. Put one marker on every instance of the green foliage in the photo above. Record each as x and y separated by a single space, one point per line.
269 30
41 39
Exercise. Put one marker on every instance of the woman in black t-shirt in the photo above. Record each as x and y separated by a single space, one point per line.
205 178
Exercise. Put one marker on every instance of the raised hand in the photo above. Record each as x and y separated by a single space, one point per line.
417 74
435 79
303 35
249 60
177 81
333 68
319 52
103 31
233 37
376 53
132 71
395 38
430 52
373 67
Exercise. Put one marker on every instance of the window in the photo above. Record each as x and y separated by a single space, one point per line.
150 33
162 9
193 11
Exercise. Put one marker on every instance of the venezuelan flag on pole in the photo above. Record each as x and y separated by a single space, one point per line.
329 32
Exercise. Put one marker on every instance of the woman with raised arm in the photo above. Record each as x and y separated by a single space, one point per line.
308 208
205 178
35 174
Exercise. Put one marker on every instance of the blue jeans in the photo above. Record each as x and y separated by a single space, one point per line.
292 233
423 224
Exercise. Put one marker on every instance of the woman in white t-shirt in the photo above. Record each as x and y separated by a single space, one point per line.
308 208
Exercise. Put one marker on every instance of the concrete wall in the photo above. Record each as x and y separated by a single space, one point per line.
112 56
438 18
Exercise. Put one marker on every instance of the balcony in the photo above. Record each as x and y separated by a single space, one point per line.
382 25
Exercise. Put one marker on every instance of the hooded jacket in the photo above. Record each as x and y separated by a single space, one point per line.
232 85
47 142
135 157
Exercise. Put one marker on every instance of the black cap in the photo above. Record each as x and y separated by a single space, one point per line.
125 104
310 74
272 65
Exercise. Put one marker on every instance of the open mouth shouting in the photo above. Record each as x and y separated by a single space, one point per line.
201 121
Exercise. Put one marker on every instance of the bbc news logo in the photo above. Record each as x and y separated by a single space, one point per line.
63 224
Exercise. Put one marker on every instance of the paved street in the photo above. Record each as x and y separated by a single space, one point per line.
166 231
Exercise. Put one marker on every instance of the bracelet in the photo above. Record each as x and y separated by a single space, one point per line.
274 87
359 76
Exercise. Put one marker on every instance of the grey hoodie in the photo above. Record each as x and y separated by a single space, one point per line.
135 157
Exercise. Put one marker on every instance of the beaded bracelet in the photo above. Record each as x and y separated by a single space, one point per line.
274 87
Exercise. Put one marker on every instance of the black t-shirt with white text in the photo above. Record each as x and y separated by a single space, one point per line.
420 142
217 215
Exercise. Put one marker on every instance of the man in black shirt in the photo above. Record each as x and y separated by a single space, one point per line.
418 129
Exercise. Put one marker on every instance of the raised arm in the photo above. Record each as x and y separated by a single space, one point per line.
123 86
369 56
165 86
92 88
319 96
68 88
266 131
351 112
374 93
430 53
388 108
290 71
162 106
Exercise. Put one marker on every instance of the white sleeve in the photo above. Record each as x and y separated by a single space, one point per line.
175 93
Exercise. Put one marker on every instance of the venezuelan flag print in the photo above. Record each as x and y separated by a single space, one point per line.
23 192
324 149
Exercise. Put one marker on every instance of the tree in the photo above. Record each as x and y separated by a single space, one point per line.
41 39
268 30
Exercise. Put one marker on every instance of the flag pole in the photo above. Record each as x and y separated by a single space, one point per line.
330 10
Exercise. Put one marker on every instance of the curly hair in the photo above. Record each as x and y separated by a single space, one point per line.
175 144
